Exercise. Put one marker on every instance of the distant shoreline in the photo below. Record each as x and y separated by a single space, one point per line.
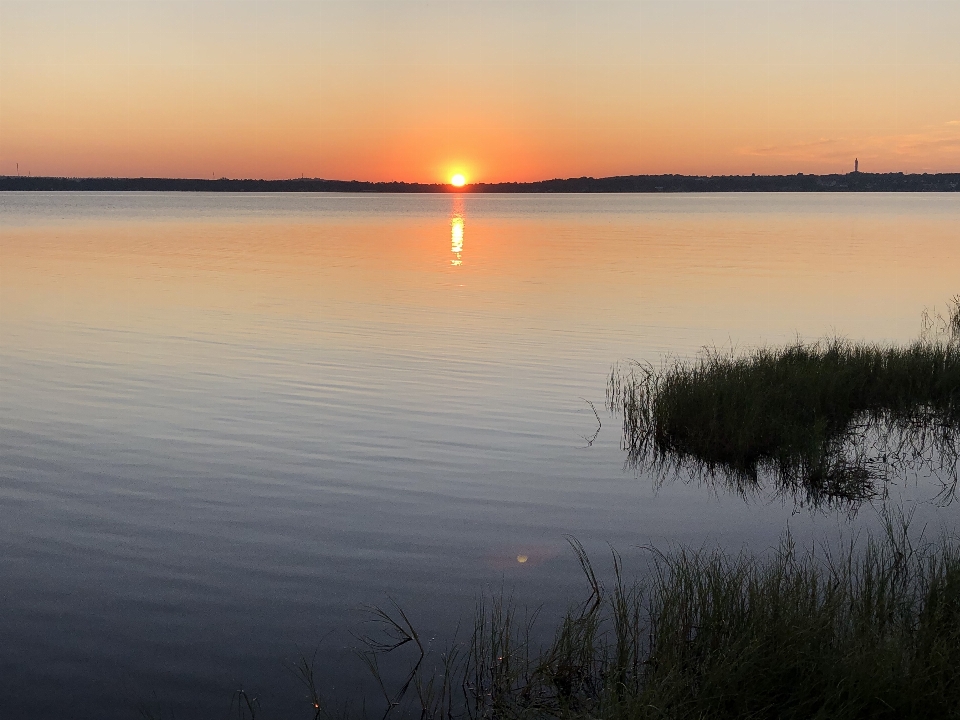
849 182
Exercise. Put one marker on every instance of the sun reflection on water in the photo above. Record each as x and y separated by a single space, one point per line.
456 239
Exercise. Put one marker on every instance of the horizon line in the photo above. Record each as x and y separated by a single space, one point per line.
168 178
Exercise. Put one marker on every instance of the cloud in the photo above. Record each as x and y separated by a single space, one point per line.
932 142
823 147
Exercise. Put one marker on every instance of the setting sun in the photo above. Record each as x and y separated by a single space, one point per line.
458 180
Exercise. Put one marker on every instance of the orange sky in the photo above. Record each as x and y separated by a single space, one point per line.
496 89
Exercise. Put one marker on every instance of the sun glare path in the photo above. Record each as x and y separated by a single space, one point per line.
458 180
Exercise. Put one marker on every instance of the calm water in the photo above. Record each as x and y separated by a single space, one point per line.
226 422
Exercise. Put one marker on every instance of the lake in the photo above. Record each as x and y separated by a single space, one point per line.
228 422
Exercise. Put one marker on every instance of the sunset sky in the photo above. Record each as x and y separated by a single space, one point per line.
493 89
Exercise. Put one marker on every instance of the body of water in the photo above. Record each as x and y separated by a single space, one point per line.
229 421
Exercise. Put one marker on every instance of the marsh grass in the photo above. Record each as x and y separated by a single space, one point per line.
869 629
869 632
827 420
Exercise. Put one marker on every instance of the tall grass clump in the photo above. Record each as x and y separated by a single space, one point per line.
828 418
869 632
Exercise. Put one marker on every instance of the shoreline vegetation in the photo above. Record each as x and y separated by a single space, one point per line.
848 182
868 631
826 422
867 627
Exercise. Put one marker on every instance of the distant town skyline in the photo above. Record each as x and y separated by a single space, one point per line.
494 90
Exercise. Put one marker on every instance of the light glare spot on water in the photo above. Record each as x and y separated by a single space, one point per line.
456 239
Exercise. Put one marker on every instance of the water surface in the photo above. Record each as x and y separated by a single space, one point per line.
228 421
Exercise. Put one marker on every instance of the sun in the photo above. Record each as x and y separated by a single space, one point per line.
458 180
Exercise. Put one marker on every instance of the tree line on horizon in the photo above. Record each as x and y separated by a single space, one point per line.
849 182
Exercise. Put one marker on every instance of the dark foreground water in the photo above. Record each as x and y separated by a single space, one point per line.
227 422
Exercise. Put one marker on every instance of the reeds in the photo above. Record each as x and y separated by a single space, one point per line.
870 632
827 419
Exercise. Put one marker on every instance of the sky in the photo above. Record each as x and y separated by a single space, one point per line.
497 90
